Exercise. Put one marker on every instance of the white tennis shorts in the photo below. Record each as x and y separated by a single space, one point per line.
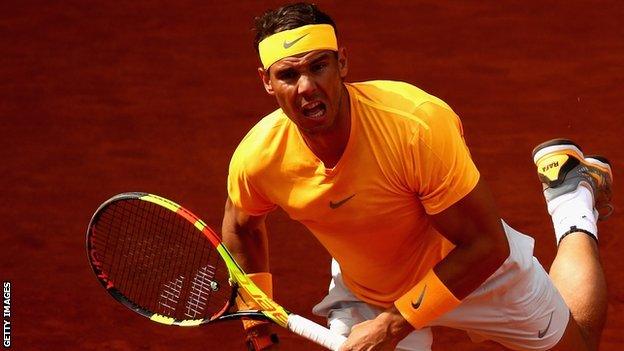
518 306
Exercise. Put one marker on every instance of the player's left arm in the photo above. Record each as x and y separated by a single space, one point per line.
481 246
473 225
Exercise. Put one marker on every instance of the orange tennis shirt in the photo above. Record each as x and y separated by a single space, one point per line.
405 159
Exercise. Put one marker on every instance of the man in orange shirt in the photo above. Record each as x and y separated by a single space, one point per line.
380 174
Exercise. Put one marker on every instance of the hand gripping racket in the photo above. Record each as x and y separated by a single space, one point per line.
162 262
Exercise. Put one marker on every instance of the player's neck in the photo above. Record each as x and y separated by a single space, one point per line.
329 145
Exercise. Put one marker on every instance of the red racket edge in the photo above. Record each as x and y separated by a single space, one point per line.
95 263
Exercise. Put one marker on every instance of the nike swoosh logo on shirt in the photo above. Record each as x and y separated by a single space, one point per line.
418 302
541 334
288 44
335 205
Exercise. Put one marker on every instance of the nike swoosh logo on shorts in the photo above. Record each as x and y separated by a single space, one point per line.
418 302
541 334
288 44
335 205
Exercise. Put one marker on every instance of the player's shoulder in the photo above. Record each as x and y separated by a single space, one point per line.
261 140
395 94
268 125
402 100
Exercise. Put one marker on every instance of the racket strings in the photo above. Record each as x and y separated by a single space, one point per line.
160 261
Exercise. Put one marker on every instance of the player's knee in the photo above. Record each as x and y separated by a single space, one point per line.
575 339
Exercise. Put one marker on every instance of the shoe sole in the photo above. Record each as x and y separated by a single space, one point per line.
600 162
557 145
571 148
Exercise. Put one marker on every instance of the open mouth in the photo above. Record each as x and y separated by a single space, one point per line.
314 110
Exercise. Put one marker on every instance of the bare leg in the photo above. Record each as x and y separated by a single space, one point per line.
577 274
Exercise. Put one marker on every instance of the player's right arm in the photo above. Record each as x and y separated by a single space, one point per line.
245 236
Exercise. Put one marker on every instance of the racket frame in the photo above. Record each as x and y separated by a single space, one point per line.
237 278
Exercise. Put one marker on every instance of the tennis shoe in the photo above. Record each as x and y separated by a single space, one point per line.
562 168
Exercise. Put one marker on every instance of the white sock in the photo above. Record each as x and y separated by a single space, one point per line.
573 211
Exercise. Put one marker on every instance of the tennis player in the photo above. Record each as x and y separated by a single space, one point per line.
380 173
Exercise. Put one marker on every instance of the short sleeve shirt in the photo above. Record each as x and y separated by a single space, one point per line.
406 159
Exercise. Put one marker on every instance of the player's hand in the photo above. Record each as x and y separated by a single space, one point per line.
380 334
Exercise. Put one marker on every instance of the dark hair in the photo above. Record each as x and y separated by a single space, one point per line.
289 17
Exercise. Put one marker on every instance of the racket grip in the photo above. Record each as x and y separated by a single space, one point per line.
315 332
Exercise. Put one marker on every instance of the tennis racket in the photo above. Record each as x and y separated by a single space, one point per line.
161 261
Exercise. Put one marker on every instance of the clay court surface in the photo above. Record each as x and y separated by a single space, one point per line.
99 98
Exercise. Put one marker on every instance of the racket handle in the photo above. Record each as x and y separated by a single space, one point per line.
315 332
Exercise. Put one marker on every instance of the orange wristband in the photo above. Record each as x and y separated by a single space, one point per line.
264 280
426 301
